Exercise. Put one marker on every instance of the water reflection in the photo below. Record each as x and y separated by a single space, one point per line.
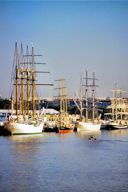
22 144
119 132
25 138
89 134
64 136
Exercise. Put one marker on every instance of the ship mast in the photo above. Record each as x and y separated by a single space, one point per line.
117 101
114 105
81 96
93 97
25 78
27 82
22 83
33 84
62 98
87 86
16 78
86 95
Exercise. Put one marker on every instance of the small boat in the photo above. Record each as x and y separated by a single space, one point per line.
105 124
3 117
4 114
65 126
50 126
118 125
65 130
121 126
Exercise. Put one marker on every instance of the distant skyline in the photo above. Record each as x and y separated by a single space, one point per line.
73 36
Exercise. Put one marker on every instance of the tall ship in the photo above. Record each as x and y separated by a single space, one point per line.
89 121
24 118
116 116
64 121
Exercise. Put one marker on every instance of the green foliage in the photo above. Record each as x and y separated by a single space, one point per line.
5 103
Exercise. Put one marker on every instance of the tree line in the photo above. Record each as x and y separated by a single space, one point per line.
5 103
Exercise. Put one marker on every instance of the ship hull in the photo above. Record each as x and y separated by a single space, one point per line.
65 130
88 126
20 128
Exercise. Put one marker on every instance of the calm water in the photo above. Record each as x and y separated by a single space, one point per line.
65 163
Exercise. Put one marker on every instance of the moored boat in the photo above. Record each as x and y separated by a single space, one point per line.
65 130
63 122
66 126
16 128
4 114
25 121
116 116
118 125
50 126
87 123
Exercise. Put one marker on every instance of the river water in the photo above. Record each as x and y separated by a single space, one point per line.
65 162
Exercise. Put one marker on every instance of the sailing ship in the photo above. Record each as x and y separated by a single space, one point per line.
64 122
24 121
117 113
86 123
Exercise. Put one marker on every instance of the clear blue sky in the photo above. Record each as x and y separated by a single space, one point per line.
73 36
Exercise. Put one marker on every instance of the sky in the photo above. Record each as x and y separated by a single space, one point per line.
73 36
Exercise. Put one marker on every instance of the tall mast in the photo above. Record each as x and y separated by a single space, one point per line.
25 77
62 98
12 104
114 106
93 97
81 96
16 78
60 95
121 103
27 83
33 84
22 83
86 95
117 102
